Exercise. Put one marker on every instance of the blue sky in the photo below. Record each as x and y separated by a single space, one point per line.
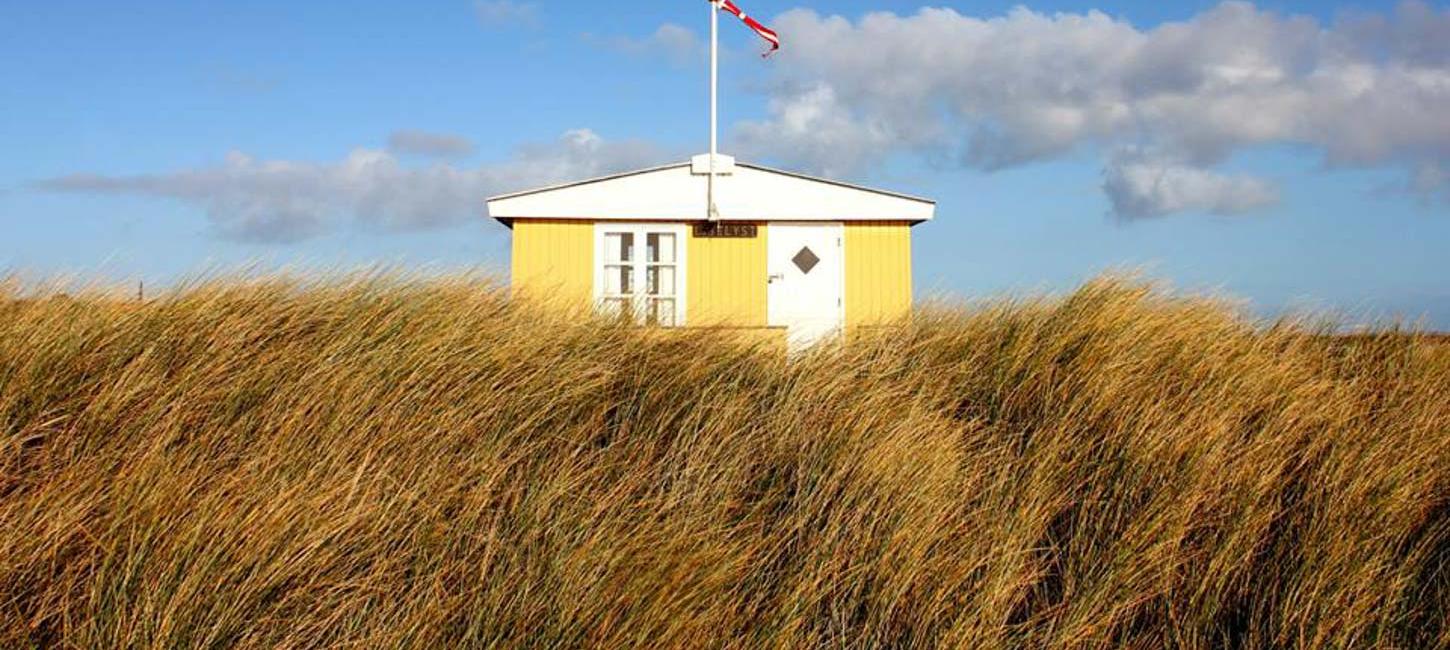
1294 154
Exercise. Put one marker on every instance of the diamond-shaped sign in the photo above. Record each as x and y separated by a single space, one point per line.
805 260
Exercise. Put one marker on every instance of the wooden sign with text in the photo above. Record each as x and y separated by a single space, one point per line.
725 230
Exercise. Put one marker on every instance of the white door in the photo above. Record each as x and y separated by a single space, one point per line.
806 264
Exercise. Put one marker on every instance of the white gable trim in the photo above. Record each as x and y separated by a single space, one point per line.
675 193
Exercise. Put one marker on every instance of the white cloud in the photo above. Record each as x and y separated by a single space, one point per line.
814 125
503 12
1367 91
1140 186
673 42
423 143
1428 182
1431 180
279 200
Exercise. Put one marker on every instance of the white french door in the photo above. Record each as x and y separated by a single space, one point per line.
639 272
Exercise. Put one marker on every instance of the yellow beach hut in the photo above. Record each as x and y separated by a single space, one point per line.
802 256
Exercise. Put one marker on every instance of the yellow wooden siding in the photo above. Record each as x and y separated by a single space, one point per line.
725 278
554 261
726 281
878 272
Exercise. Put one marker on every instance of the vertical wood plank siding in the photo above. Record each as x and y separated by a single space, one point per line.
878 272
554 261
726 280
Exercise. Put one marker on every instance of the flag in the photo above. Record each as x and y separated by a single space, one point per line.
761 30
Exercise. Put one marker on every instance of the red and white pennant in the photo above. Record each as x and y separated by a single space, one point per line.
763 31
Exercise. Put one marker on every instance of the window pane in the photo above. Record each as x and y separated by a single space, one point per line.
618 247
612 247
662 312
661 247
619 308
618 280
661 280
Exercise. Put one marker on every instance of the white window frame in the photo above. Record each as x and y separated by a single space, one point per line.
640 230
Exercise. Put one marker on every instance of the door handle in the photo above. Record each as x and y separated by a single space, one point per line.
774 277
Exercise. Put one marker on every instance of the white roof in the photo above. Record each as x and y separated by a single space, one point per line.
743 192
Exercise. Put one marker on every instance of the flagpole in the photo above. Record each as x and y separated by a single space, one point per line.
711 213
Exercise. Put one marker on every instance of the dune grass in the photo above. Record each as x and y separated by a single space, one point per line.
383 463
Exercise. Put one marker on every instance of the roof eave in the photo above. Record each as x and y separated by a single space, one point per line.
507 221
763 168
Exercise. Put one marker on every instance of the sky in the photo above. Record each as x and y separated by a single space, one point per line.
1295 155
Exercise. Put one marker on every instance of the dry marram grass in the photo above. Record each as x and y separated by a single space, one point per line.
389 463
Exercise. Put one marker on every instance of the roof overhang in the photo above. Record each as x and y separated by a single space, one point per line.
677 192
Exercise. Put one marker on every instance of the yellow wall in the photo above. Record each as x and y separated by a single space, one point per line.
554 260
725 278
878 272
726 281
